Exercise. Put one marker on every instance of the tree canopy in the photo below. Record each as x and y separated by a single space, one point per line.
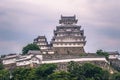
60 75
116 76
29 47
76 71
1 66
39 73
102 53
4 74
87 71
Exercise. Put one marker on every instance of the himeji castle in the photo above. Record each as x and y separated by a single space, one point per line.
68 37
67 44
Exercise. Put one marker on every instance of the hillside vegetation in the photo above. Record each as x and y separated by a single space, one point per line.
74 71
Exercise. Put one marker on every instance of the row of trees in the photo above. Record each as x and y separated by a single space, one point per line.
75 71
39 73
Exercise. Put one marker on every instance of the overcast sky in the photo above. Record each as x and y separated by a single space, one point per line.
23 20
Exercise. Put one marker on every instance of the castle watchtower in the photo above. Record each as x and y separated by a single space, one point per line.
68 36
41 41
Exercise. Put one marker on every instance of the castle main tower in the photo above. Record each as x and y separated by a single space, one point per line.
68 36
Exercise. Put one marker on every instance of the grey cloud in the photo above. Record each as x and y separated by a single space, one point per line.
111 33
6 34
24 20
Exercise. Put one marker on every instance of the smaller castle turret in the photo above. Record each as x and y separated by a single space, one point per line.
41 41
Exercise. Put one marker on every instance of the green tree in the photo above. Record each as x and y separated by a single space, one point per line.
21 73
104 75
4 74
72 67
60 75
116 76
44 70
32 75
102 53
29 47
93 71
1 66
90 70
39 73
87 71
76 70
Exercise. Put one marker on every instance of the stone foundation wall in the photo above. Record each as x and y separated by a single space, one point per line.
68 56
69 50
59 56
10 66
102 64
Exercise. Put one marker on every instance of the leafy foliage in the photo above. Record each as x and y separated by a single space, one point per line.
39 73
60 75
75 71
29 47
116 76
1 66
44 70
4 74
87 71
102 53
21 73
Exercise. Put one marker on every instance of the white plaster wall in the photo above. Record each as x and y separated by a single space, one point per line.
78 59
50 52
113 56
43 47
22 63
9 61
67 45
40 57
27 62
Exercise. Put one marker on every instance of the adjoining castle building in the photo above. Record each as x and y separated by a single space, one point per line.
68 37
41 41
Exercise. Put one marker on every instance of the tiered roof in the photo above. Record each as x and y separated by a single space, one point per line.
68 30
